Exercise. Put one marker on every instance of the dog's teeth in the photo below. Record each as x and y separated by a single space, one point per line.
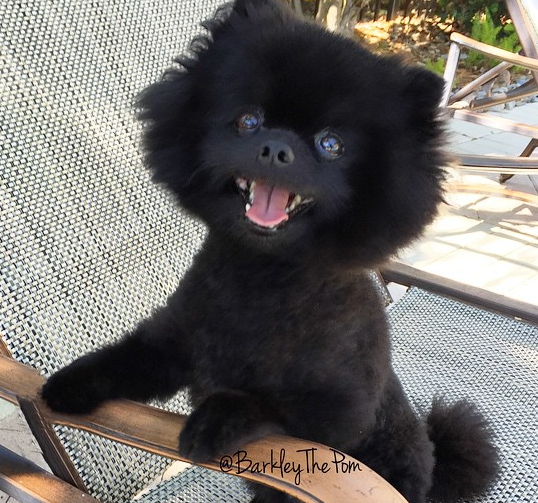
296 202
251 192
248 206
241 183
309 200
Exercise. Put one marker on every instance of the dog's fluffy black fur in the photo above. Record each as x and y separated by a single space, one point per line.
277 327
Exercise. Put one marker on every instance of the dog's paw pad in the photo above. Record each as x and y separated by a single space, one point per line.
72 390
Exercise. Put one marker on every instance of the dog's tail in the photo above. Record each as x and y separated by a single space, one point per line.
466 461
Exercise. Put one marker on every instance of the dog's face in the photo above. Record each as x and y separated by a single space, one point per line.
288 139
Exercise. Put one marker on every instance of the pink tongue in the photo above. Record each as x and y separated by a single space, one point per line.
269 205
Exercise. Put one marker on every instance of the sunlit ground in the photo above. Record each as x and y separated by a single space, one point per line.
485 239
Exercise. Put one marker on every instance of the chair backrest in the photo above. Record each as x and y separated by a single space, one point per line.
88 245
524 15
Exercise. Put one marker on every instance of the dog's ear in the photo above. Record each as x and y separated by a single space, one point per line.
159 106
421 94
253 12
423 87
261 9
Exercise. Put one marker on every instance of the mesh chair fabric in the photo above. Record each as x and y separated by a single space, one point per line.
82 229
83 233
197 485
442 347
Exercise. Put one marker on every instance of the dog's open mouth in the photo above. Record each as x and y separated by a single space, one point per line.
269 206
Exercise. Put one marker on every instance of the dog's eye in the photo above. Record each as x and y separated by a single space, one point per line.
249 122
329 145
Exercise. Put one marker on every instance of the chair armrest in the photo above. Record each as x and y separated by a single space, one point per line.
407 275
501 164
157 431
494 122
28 483
494 52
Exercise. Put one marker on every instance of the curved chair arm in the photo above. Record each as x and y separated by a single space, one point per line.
403 274
494 52
28 483
508 59
334 478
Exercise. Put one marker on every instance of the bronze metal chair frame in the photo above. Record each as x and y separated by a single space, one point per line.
464 105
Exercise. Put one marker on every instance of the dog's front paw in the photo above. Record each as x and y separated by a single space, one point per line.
222 424
76 389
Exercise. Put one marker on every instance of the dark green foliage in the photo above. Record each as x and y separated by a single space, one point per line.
485 29
464 11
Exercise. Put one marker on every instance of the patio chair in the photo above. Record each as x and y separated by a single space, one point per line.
465 105
82 231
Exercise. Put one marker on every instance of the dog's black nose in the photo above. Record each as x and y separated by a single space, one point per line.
275 153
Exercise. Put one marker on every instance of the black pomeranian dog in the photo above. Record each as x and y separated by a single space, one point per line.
311 161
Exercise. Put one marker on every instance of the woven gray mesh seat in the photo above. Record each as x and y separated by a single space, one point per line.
82 229
442 347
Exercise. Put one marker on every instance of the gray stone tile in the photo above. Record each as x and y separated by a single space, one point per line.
16 435
527 114
6 409
486 241
523 183
486 146
468 129
526 292
505 276
425 252
456 138
516 141
464 266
